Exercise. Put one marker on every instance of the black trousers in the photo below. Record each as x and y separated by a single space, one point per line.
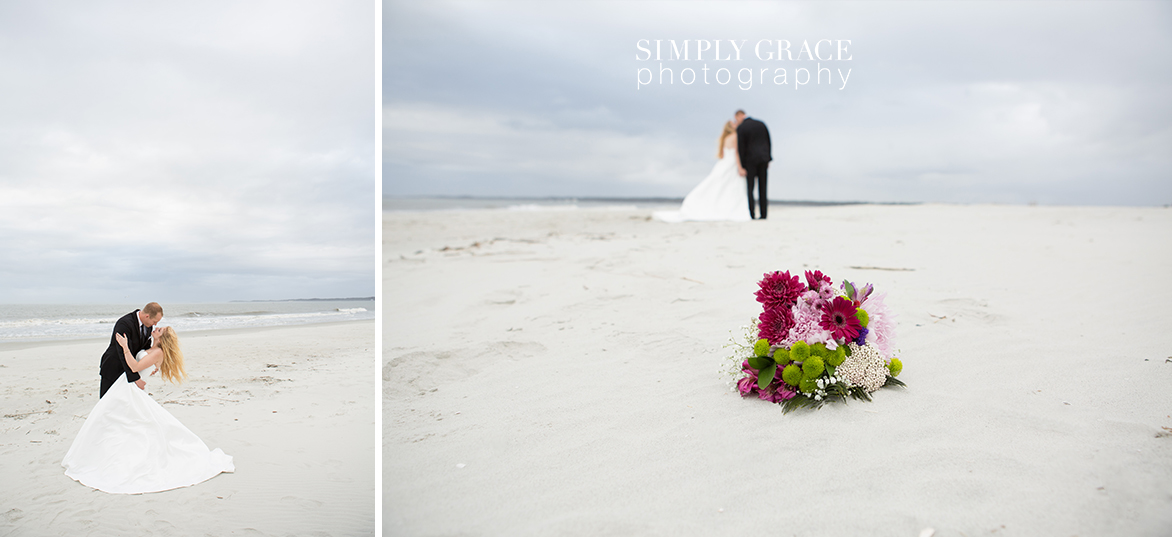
758 173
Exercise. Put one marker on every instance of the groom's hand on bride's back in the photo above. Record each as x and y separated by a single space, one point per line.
141 384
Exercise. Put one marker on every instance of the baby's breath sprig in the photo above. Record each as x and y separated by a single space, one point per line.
741 348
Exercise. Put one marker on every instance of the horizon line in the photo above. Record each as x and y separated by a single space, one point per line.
653 199
305 299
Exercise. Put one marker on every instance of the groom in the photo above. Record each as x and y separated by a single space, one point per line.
754 150
136 326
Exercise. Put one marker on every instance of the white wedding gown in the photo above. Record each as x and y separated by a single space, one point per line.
130 444
720 196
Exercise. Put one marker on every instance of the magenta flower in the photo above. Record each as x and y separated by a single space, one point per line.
839 318
826 292
779 289
814 279
748 384
775 324
776 392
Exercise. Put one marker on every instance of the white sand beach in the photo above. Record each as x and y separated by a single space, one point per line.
294 407
556 373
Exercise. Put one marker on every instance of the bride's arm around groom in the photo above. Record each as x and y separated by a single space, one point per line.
164 353
151 358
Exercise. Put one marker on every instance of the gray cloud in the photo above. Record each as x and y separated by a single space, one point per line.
947 101
208 151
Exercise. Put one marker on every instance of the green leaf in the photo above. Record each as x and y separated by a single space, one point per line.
766 376
829 370
798 401
892 381
801 401
850 289
847 348
760 362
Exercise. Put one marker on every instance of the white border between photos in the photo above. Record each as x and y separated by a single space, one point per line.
378 267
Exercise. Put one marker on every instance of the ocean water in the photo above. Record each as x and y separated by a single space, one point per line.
40 322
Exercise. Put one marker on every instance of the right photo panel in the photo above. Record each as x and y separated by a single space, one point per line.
794 268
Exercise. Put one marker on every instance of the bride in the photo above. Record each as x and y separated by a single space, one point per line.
720 196
130 445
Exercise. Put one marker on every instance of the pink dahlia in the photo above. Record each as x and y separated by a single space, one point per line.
775 324
814 279
779 289
839 318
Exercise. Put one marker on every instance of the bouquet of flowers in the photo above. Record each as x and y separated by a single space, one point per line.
816 342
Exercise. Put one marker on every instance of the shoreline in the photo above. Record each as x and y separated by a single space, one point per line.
13 345
396 204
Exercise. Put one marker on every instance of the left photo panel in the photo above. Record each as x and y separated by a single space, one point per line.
187 313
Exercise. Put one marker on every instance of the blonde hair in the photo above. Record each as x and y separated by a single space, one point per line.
728 129
171 366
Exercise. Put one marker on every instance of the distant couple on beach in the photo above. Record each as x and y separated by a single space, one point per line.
129 444
745 152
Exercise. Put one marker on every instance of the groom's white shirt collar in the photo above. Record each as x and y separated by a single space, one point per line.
138 316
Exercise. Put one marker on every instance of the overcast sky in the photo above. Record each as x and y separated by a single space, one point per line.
1006 102
197 151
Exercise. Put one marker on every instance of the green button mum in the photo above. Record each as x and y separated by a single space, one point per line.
799 351
837 357
792 374
812 367
781 356
761 348
895 367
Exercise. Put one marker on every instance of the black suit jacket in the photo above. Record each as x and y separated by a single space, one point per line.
114 361
753 143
